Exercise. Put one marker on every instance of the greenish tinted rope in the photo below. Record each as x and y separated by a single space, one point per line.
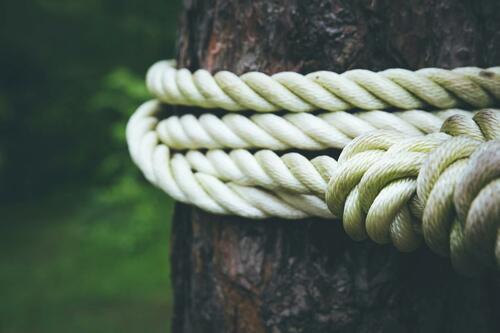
391 187
401 185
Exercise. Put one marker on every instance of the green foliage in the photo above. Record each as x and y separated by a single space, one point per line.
71 71
86 262
83 238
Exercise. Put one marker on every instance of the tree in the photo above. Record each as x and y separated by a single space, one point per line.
236 275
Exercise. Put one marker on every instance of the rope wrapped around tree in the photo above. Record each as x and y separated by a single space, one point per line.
398 179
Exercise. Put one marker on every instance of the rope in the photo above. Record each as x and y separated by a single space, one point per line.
290 172
173 174
304 131
397 179
362 89
387 182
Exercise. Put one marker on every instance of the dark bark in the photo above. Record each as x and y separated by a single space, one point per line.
237 275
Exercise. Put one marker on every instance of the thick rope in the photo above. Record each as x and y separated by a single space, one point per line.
174 174
397 180
449 183
362 89
290 172
304 131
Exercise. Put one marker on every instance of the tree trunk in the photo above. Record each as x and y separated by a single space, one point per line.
235 275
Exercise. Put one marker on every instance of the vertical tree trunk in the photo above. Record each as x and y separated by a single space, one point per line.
237 275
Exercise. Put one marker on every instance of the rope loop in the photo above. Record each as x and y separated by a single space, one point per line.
405 175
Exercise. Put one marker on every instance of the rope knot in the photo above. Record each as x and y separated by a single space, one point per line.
396 188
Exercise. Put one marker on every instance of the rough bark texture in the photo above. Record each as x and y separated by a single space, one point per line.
236 275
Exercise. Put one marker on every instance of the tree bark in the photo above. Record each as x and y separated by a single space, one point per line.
235 275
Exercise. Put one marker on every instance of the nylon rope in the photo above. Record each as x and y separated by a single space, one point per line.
402 177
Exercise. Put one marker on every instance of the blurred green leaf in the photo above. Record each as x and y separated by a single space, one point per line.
71 77
83 237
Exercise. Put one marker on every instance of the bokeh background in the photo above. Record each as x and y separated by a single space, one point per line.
83 238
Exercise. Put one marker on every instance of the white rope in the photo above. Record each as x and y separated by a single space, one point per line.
304 131
255 185
227 178
363 89
175 176
396 178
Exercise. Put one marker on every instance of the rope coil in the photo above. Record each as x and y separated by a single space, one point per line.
397 179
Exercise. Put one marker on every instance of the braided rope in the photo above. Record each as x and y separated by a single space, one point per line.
363 89
397 179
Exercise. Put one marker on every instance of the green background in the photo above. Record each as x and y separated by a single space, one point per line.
83 238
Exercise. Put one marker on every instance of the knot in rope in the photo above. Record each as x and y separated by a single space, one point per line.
393 187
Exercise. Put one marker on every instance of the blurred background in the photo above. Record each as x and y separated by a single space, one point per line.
83 238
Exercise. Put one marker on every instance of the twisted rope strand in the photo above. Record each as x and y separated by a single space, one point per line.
294 130
362 89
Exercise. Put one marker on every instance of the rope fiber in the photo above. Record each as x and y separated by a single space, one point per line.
402 176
